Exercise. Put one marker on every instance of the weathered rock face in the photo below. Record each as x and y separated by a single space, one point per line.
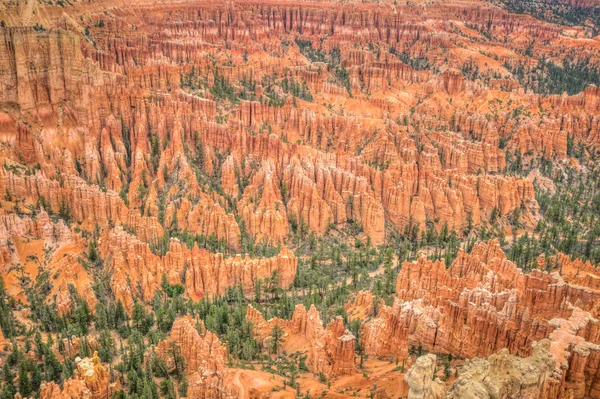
422 381
564 365
96 377
68 270
330 349
205 273
362 306
339 346
204 357
453 81
262 208
124 132
72 389
261 329
39 228
481 304
91 381
86 204
506 376
46 68
72 347
23 240
575 271
575 348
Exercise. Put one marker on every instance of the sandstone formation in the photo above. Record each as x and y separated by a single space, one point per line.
539 331
96 377
261 329
262 208
575 271
575 348
247 126
362 306
204 358
481 304
72 389
206 274
111 123
330 349
506 376
91 381
555 369
40 227
39 243
422 381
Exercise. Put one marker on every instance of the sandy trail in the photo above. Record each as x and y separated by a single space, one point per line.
377 272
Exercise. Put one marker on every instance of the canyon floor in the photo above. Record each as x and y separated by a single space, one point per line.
299 199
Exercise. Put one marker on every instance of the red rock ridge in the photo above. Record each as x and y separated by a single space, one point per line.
205 273
204 356
91 381
330 350
481 304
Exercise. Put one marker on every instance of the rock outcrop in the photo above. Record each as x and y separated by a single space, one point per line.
72 389
330 349
563 365
362 306
96 377
206 274
91 381
504 375
204 358
575 346
575 271
422 381
481 304
126 133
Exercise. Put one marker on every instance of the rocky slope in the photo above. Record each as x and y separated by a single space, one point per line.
92 381
201 273
330 349
101 118
204 358
483 305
